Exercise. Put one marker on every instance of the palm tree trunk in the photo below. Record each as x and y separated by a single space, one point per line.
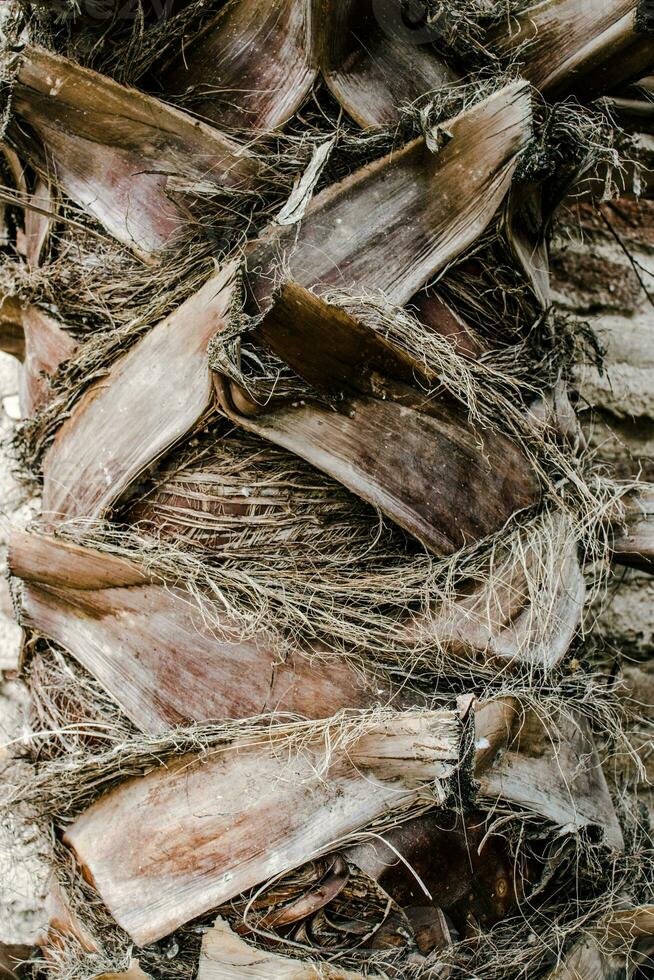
309 609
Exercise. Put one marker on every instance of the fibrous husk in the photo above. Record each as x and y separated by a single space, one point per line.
505 620
242 506
39 216
516 607
588 961
203 574
525 230
63 926
47 346
168 846
75 485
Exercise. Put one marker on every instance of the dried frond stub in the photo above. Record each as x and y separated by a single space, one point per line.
389 227
584 48
300 792
555 773
183 658
384 416
114 149
253 65
84 471
249 67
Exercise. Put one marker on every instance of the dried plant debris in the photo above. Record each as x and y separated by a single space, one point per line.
133 972
521 605
62 923
525 224
464 876
67 493
516 608
309 608
224 956
47 346
40 212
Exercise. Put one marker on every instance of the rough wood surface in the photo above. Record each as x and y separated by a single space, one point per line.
39 212
412 454
434 476
336 353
